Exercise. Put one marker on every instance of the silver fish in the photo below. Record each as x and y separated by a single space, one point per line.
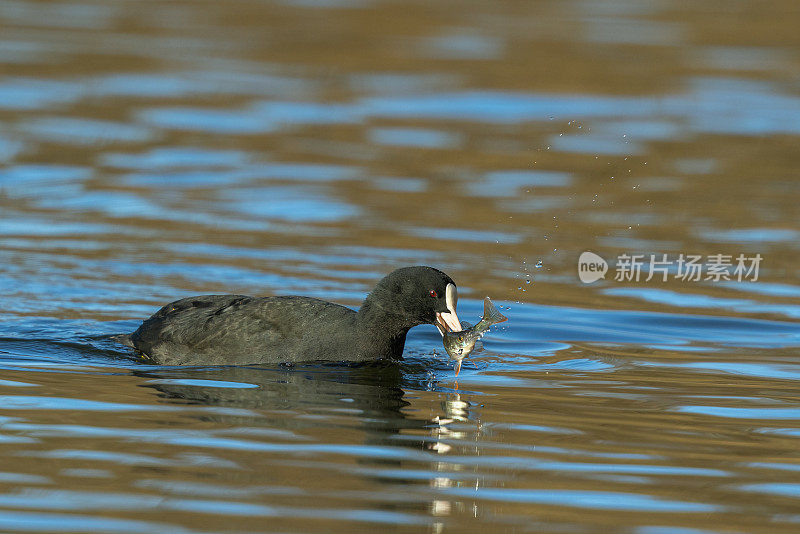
459 344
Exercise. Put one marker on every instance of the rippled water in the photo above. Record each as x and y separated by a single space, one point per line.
152 151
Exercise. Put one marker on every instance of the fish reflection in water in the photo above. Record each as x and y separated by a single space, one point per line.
457 412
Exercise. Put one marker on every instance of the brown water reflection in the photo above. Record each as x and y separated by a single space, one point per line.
153 151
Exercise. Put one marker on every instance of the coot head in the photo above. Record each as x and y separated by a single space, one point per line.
417 295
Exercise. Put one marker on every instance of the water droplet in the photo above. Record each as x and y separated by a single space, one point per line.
539 264
527 282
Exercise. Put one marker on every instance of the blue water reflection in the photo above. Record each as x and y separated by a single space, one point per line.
311 146
413 137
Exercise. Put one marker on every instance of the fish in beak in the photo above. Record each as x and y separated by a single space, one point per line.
460 344
448 321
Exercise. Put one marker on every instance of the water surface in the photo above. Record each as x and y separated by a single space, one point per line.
154 151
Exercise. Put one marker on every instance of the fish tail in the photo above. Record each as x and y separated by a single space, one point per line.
491 314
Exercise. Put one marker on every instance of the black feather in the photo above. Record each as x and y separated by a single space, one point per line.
237 329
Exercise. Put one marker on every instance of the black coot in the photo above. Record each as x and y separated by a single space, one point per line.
236 329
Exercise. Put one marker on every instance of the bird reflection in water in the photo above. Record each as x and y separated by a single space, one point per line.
328 396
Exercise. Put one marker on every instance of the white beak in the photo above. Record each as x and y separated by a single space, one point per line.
448 321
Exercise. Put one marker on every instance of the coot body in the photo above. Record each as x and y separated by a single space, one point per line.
237 329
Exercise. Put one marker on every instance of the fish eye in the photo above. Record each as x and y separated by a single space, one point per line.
433 293
461 338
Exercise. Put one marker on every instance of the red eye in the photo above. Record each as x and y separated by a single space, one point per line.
433 293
